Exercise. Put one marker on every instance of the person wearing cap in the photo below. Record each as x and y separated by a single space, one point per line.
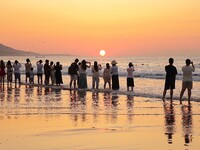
115 77
39 71
130 81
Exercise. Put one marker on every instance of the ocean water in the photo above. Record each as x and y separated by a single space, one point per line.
149 72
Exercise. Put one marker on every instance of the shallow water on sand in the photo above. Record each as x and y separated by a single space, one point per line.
46 118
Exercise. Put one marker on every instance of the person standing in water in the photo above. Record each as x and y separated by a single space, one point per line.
95 74
28 66
130 81
170 79
187 79
115 77
107 76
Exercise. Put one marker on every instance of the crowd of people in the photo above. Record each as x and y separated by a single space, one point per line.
77 71
78 76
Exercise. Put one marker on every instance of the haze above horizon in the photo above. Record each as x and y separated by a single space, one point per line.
122 27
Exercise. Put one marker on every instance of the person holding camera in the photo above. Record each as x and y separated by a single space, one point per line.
17 72
82 82
187 79
95 74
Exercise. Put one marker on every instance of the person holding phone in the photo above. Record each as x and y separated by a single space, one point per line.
187 79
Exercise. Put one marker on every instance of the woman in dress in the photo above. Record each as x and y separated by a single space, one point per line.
9 72
115 77
106 76
95 74
58 73
52 73
82 74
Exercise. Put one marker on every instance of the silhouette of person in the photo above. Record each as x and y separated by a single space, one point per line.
187 79
39 71
58 73
171 73
115 77
28 66
74 73
47 72
107 76
95 74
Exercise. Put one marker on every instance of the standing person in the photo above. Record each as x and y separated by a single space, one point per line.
107 76
58 73
47 72
17 72
74 73
82 74
170 79
130 80
2 71
9 72
115 77
28 66
187 79
39 71
31 78
95 74
52 73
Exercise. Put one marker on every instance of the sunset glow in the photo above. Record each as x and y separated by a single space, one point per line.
82 27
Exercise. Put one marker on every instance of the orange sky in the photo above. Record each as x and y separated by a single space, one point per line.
83 27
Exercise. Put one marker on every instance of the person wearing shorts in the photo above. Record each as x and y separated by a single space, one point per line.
74 73
187 82
170 79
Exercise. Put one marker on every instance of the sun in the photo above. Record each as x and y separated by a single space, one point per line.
102 52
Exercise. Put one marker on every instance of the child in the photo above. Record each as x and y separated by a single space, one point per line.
130 81
31 79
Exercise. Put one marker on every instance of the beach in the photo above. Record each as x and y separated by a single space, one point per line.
54 118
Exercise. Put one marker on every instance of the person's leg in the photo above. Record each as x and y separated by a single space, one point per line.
131 88
164 94
93 82
97 82
189 95
70 83
181 94
171 94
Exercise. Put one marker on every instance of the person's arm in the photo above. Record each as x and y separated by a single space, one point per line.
193 66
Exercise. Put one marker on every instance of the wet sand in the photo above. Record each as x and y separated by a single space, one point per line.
38 118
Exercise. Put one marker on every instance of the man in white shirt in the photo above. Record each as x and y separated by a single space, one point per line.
187 79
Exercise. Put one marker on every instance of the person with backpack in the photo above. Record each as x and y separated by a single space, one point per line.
73 71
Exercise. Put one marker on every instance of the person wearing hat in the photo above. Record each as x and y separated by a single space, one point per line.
114 73
130 81
39 71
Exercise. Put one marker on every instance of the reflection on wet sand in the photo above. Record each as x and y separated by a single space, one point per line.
169 121
187 123
130 105
114 102
95 105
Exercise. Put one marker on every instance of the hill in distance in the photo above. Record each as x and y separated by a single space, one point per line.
8 51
